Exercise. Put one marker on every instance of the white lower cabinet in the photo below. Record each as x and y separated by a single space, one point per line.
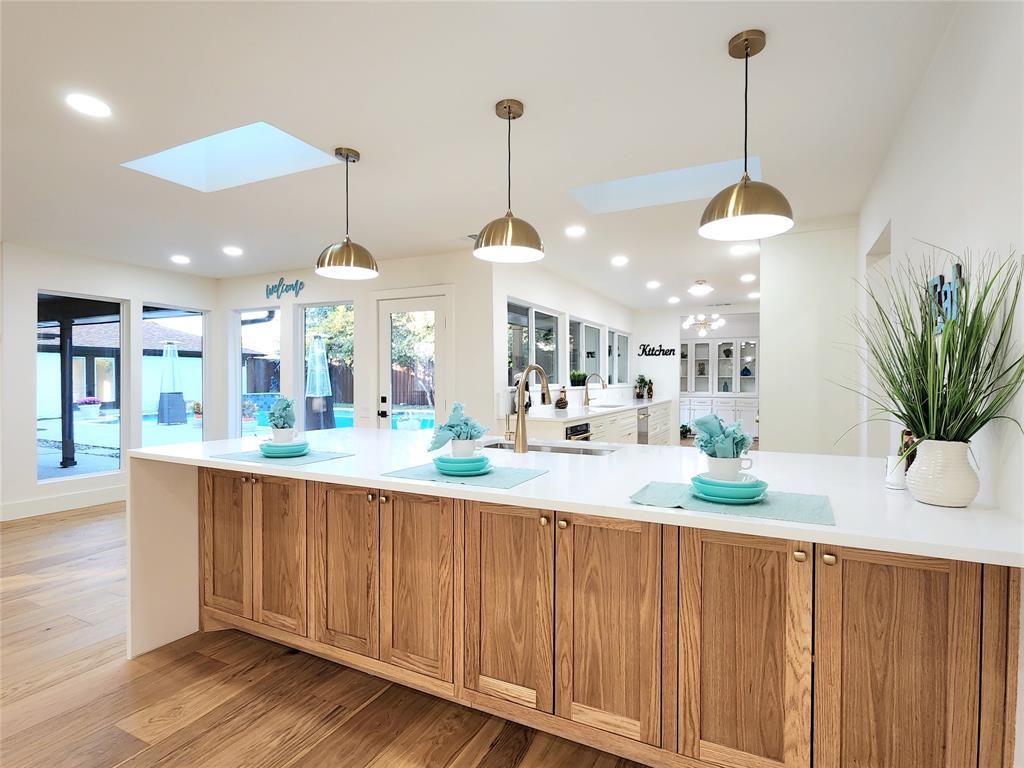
728 409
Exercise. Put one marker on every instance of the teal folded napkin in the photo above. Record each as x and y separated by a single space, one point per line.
458 427
720 441
776 505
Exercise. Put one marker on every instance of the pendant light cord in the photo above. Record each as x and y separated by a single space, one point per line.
347 163
746 87
508 114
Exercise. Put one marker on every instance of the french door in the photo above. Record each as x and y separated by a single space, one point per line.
413 355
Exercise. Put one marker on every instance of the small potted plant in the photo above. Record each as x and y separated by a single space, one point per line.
89 407
640 387
249 409
282 420
577 378
460 430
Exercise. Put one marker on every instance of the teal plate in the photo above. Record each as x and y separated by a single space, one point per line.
752 491
294 455
269 446
465 472
721 500
461 463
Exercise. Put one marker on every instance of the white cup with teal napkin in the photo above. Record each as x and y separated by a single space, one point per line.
460 430
724 446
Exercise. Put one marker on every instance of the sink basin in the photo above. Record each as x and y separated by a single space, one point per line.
581 450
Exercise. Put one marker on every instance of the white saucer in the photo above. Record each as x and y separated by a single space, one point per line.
745 478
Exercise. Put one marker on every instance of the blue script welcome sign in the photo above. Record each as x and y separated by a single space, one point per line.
280 289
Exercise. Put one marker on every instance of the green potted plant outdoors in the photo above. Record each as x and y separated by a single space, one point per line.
944 366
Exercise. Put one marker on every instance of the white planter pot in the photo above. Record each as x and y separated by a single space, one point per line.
89 411
463 448
942 475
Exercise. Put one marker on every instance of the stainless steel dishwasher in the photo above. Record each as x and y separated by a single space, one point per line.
642 419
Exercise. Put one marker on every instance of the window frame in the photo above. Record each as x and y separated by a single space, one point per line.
300 370
554 379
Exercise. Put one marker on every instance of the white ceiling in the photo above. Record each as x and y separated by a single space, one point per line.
611 90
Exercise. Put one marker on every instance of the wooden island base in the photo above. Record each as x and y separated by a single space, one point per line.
667 645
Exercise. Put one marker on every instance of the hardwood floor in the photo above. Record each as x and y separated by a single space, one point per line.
69 699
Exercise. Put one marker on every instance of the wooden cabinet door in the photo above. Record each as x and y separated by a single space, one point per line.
343 546
416 582
510 597
897 646
225 500
279 553
744 649
608 624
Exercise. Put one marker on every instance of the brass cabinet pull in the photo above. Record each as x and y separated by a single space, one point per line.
828 559
543 520
563 524
369 497
800 556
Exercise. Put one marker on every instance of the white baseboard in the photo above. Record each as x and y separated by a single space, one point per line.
60 502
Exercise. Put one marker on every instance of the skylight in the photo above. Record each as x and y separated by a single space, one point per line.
698 182
232 158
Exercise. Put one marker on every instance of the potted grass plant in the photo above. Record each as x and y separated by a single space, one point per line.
944 363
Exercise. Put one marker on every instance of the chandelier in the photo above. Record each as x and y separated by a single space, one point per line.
703 323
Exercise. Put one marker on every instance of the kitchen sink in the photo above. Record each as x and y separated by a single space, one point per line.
580 450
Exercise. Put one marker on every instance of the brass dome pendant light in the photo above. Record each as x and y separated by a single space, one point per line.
748 210
346 260
509 240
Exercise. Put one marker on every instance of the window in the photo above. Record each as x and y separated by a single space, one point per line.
518 340
545 342
532 338
78 424
575 346
172 376
618 358
260 368
329 335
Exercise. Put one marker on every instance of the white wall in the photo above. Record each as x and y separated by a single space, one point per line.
467 279
953 177
26 272
808 293
535 285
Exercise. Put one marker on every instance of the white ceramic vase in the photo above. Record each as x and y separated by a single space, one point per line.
942 475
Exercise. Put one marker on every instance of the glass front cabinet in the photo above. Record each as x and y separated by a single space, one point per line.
719 367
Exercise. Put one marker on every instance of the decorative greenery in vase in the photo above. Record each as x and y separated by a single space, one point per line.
577 378
640 387
944 363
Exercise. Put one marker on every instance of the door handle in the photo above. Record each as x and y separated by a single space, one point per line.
382 414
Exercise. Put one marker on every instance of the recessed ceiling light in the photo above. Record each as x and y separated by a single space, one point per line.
748 278
653 285
620 260
180 258
575 230
87 105
700 288
673 299
754 295
232 250
744 249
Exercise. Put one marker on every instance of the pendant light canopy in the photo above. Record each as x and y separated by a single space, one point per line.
508 239
346 260
747 210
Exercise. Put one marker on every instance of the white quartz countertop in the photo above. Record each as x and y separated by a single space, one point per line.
867 514
577 412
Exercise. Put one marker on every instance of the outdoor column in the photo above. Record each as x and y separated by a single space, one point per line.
67 416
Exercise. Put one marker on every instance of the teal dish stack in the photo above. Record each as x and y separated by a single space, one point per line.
746 490
467 466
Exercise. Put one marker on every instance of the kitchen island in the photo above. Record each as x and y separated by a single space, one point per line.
669 636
